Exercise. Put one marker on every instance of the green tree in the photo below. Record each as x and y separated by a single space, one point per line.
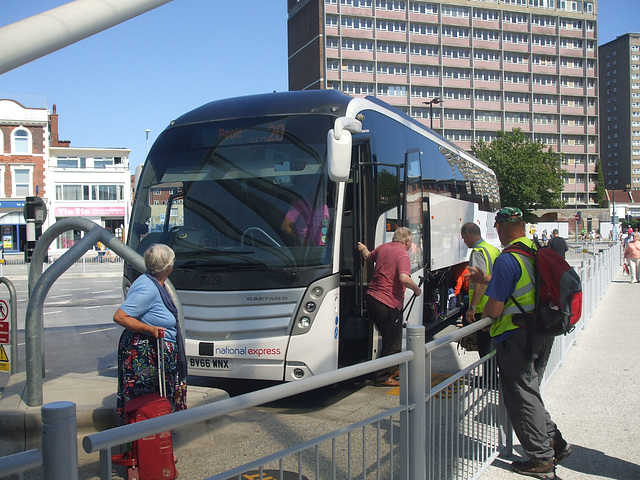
529 177
600 191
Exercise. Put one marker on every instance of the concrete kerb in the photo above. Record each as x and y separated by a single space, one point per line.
95 399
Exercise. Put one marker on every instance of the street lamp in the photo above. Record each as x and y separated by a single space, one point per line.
430 103
147 132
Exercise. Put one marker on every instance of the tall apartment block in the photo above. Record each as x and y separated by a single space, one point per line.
620 112
478 65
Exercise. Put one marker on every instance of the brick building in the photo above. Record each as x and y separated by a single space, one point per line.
467 67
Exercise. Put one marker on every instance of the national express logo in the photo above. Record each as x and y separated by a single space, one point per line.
252 352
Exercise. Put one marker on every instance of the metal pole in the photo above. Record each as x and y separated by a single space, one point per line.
59 441
431 113
417 388
42 34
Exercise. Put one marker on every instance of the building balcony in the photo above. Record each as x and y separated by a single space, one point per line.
456 42
486 45
392 79
355 11
538 49
574 91
563 32
388 14
572 72
570 148
491 106
358 33
356 77
539 108
458 124
426 81
509 126
515 87
457 62
546 128
455 83
424 39
543 30
572 110
545 69
391 57
572 52
516 107
464 22
489 126
487 65
452 103
516 67
486 24
573 129
592 130
355 55
515 27
550 89
515 47
425 17
394 100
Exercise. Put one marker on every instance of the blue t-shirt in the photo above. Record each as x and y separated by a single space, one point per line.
145 304
504 278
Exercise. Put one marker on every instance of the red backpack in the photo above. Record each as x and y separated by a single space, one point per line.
559 292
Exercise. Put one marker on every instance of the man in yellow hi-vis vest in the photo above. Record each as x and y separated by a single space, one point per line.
482 257
520 371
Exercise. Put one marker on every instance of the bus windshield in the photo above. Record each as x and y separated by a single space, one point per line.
239 194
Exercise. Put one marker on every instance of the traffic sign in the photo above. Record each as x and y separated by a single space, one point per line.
5 365
4 332
4 310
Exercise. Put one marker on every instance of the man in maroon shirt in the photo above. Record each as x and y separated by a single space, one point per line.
385 295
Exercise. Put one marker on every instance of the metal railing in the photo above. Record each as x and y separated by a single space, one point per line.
88 263
452 430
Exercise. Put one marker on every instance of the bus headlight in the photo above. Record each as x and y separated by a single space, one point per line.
310 307
317 292
304 322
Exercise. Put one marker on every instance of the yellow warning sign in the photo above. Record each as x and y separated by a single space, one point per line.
5 366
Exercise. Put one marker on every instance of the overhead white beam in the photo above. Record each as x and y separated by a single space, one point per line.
47 32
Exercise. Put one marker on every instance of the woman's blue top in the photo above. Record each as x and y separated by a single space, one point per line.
145 304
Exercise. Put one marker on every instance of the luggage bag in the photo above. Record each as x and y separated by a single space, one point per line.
150 458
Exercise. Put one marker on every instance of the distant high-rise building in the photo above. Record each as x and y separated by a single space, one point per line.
620 112
477 65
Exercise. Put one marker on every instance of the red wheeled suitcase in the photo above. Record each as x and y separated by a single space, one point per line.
150 458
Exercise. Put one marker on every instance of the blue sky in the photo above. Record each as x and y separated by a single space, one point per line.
141 74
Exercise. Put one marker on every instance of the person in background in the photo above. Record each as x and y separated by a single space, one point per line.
146 314
521 369
482 257
558 244
307 221
632 257
385 295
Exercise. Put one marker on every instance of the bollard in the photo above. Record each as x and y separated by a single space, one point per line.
59 441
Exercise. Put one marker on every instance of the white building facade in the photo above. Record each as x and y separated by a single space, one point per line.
94 183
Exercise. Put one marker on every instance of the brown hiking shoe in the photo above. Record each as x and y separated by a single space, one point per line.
561 449
535 468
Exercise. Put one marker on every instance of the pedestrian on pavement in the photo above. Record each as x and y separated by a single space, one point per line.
385 295
147 312
482 257
632 257
521 369
558 244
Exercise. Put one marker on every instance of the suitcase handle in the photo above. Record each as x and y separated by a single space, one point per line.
161 377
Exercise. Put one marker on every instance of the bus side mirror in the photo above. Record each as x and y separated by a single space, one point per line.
339 148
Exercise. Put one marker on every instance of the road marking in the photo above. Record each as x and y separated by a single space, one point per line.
96 331
73 289
48 313
58 296
95 306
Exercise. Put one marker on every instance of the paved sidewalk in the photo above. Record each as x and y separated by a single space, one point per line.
594 395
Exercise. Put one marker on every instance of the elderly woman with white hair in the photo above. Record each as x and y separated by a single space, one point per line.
147 311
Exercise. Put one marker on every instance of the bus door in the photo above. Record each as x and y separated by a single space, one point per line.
355 329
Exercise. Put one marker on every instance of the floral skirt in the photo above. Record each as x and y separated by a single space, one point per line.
138 371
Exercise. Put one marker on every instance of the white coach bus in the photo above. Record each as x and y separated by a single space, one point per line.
263 199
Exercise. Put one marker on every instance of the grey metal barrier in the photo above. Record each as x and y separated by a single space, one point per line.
18 463
40 282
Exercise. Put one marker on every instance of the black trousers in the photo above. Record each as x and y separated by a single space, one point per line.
388 321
